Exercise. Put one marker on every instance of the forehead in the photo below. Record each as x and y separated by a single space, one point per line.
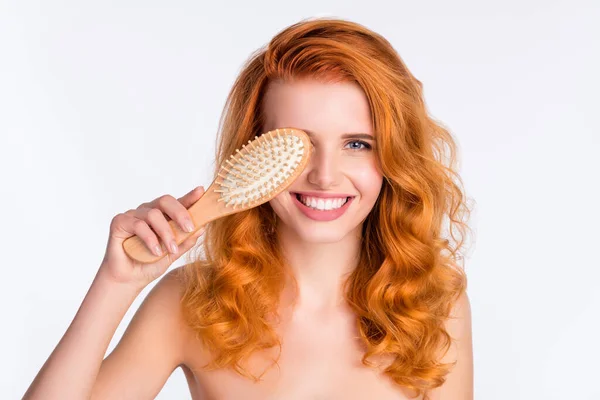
321 107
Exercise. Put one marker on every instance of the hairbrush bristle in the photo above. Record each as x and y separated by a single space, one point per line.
261 168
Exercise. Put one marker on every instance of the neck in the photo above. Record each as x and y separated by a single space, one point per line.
319 270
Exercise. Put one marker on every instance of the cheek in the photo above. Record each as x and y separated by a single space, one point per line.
281 202
368 180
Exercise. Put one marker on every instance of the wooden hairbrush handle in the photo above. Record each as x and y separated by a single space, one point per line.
206 209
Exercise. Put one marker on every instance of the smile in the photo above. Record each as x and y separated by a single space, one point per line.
322 204
321 209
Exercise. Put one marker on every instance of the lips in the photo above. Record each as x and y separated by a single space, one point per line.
321 215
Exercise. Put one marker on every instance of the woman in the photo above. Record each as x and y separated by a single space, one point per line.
291 300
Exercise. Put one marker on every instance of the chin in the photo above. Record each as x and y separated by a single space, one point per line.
321 234
323 238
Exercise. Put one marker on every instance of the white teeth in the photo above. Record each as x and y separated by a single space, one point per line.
322 204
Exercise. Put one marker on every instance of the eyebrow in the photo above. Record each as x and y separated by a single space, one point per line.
351 135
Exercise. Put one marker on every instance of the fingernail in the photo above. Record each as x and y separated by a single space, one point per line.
188 225
173 247
157 250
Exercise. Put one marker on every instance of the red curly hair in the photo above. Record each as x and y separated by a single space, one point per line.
409 275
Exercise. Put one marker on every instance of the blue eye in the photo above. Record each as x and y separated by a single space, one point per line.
367 145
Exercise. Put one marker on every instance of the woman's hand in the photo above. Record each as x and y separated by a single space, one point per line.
150 222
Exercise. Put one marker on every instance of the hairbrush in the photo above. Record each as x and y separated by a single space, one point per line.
258 172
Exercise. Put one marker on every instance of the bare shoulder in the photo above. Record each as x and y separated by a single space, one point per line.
152 346
459 382
163 303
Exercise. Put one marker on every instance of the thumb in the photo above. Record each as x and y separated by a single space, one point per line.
191 197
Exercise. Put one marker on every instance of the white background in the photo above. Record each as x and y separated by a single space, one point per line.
105 105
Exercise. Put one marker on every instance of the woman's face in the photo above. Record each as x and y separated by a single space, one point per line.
343 164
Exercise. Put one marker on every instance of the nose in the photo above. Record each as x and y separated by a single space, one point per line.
324 169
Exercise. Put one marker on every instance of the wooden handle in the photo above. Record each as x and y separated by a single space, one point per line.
137 249
206 209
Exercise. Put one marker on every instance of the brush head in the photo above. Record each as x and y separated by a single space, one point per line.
263 168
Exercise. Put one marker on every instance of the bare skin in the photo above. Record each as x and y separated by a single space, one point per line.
320 360
320 357
321 351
